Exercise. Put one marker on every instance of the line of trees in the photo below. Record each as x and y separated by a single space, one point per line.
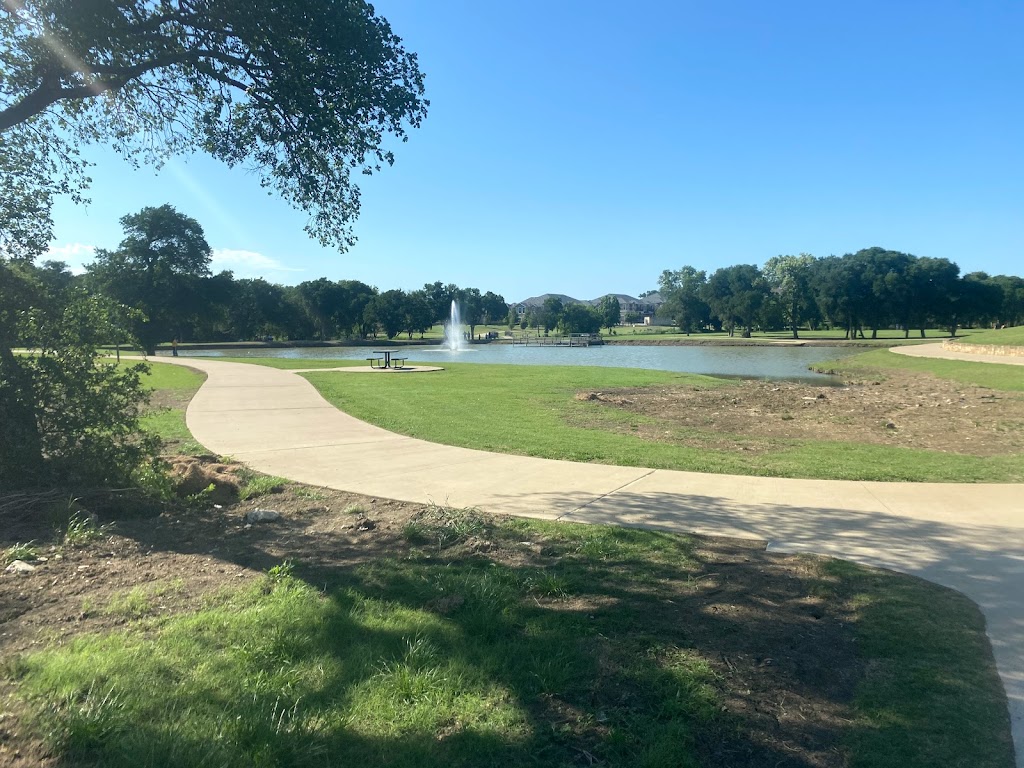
161 271
574 317
871 289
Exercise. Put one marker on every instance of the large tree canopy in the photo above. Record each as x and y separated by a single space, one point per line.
304 91
682 291
157 270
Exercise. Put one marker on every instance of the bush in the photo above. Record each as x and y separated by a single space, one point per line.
69 417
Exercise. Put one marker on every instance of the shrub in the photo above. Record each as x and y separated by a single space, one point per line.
69 417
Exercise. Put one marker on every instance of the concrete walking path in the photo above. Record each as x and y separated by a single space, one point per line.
966 536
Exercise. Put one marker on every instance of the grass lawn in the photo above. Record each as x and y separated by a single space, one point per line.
1010 337
532 410
1006 378
450 638
885 337
173 387
558 645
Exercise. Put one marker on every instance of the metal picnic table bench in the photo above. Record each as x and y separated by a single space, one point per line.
386 360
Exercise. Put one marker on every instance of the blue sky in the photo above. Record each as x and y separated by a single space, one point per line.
583 147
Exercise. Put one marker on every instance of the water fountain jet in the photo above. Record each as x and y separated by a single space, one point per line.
454 341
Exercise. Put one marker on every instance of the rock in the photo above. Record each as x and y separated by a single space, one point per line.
890 425
262 516
19 566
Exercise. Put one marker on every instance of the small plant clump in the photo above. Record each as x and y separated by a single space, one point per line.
444 526
256 485
82 529
26 552
282 571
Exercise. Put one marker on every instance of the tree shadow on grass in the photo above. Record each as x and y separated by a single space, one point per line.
584 649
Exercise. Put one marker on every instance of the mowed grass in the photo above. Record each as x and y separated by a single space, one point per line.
1009 337
1006 378
921 672
504 408
428 661
886 337
532 410
176 384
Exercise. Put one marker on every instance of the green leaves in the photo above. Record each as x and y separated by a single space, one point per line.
156 270
304 91
67 416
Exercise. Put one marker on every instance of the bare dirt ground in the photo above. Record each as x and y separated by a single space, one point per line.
909 410
784 656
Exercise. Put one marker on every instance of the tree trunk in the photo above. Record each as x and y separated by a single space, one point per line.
21 446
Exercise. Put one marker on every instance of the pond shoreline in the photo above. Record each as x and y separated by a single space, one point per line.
608 341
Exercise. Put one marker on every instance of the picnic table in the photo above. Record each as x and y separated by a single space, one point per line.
385 362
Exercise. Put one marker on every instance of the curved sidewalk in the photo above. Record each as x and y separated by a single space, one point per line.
968 537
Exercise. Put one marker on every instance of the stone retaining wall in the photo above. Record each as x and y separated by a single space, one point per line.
983 349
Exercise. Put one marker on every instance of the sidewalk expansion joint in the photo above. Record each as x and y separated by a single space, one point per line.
267 410
312 446
875 496
613 491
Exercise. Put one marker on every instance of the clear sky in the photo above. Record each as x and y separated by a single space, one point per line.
583 147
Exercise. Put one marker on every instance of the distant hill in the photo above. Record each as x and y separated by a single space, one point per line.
538 301
653 299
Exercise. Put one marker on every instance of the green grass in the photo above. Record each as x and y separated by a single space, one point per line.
82 529
178 384
1009 337
428 661
1006 378
173 377
531 410
255 485
28 551
885 337
139 602
922 685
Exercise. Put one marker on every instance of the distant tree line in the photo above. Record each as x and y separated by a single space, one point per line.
871 289
574 317
160 275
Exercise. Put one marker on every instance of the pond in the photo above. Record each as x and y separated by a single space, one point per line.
768 362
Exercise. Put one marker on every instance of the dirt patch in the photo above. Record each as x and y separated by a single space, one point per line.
784 660
169 399
909 410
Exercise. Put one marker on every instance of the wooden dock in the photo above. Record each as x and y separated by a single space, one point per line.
569 340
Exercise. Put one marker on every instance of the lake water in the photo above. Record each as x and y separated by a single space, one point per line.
774 362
